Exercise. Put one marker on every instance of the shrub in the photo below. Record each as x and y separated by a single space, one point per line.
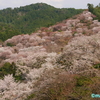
97 66
85 86
10 44
8 68
82 80
31 96
59 89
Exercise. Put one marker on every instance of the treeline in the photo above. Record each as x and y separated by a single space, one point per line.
27 19
95 10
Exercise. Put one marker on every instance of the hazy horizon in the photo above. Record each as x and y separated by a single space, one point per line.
77 4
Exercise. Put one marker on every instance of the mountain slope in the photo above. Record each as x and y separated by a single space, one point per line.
29 18
61 62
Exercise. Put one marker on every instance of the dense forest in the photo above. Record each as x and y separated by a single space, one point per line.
29 18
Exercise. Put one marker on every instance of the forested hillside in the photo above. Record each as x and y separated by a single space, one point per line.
7 31
30 18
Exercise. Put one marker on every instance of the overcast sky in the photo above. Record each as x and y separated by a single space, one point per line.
56 3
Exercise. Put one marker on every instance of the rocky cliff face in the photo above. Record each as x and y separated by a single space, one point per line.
71 46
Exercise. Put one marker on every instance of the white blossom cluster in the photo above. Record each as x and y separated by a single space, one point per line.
10 89
83 53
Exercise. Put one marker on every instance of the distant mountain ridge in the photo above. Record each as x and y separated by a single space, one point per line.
29 18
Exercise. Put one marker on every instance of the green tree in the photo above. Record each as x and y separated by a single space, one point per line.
90 7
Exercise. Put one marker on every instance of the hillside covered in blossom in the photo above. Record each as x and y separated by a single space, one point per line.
61 62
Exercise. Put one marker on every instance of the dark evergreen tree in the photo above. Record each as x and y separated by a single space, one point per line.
90 7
